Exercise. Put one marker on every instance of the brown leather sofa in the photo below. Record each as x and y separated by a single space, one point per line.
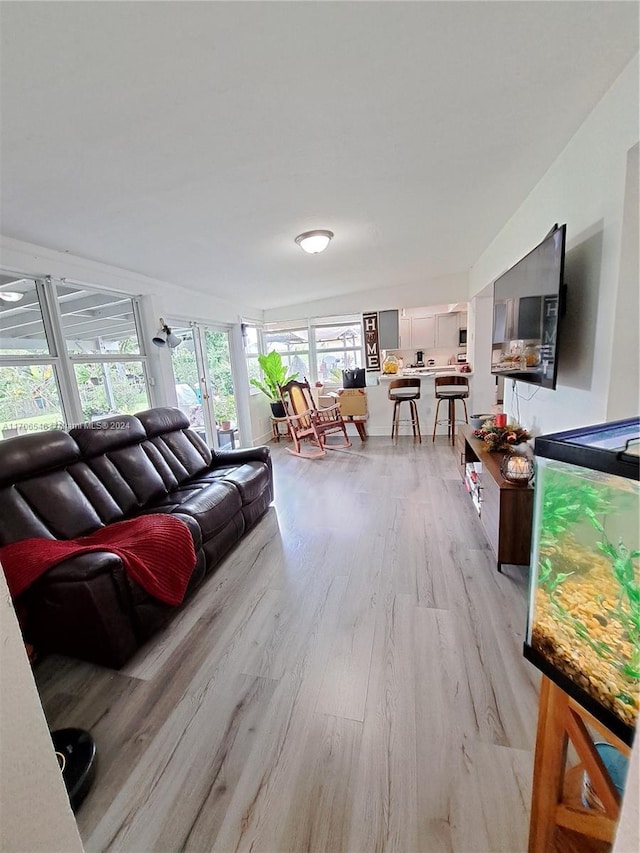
63 485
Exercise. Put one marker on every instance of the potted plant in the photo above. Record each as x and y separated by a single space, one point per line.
274 373
225 409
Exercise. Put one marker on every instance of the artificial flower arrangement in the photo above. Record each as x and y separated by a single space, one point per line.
501 438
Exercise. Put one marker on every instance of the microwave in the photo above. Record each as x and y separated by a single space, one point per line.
462 337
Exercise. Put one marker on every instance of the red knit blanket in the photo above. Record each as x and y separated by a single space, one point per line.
156 550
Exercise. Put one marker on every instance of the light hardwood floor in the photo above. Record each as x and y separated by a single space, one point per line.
350 679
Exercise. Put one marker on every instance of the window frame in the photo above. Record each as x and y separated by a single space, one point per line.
311 324
321 323
52 357
62 362
249 355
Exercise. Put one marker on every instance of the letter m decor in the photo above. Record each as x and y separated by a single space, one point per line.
371 347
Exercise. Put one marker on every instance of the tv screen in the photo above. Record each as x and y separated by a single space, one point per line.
527 303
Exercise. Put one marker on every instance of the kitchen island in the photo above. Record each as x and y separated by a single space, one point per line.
381 408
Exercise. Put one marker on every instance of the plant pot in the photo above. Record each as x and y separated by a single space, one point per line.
277 410
225 425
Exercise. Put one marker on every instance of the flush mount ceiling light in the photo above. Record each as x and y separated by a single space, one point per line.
314 241
11 296
165 337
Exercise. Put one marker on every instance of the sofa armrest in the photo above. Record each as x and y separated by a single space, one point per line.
238 457
84 567
83 607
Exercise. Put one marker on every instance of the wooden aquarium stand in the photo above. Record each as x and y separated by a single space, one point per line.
559 820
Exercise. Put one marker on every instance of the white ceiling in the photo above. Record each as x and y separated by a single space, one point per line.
191 142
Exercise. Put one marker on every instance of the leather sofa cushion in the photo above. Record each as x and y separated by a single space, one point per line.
60 503
45 499
26 455
251 479
114 483
161 420
212 505
108 434
17 519
113 448
102 501
183 453
136 469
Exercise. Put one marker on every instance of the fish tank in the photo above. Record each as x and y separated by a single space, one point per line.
583 628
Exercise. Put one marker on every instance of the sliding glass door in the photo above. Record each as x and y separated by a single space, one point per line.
203 375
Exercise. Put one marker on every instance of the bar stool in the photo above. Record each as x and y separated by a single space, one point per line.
450 388
409 390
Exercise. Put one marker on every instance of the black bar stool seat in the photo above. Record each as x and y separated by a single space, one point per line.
408 390
450 388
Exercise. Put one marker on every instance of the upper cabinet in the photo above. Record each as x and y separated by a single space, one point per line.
417 332
418 328
447 331
423 332
388 336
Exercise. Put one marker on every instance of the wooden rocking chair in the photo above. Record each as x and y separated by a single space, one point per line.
308 423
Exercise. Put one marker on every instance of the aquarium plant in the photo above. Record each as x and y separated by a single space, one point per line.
607 622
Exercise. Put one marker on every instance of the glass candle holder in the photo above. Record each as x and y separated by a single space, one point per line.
516 469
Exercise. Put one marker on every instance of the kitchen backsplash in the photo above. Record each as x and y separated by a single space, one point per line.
440 356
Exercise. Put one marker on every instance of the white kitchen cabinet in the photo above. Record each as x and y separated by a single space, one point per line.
417 332
447 326
423 332
404 326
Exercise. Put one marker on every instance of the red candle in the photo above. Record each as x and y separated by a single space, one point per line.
501 420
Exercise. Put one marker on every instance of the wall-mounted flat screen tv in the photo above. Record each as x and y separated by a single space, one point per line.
528 300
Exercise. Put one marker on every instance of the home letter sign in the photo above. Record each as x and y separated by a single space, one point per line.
371 349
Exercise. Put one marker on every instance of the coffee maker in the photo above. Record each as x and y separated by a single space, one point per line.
420 358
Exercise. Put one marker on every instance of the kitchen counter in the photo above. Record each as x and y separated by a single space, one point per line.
425 372
381 408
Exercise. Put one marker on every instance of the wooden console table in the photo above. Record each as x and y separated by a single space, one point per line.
506 509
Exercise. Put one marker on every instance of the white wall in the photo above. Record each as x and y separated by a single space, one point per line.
34 808
623 396
589 186
479 351
435 291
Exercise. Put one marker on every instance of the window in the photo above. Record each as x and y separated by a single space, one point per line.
101 338
293 346
251 338
321 350
29 385
107 387
97 323
338 348
68 353
21 320
29 399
